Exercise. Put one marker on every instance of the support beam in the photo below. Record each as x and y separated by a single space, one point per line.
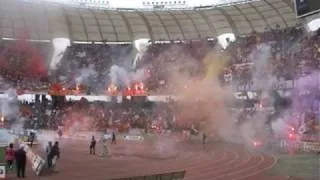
125 20
146 22
97 21
262 16
244 15
211 26
68 21
278 12
193 23
178 24
164 26
230 21
49 24
113 26
83 24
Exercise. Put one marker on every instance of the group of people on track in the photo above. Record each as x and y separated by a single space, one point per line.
103 140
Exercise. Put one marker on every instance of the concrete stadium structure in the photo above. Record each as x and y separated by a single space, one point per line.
48 21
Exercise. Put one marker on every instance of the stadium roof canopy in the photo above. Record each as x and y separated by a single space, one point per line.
47 21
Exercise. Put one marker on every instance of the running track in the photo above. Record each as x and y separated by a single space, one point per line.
215 162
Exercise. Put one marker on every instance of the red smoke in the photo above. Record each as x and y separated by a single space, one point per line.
20 58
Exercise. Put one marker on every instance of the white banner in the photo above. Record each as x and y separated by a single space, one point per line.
2 172
277 85
134 138
311 146
38 164
107 136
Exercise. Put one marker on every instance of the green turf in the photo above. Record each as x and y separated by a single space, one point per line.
2 154
305 166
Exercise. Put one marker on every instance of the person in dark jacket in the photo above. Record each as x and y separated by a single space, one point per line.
93 146
48 154
204 138
31 138
55 153
113 140
21 161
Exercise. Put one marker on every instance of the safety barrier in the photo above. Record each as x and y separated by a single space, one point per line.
311 146
36 161
133 138
2 171
2 165
300 146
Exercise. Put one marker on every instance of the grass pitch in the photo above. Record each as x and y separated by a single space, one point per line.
304 166
2 155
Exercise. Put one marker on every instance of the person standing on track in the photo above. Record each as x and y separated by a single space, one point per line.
204 138
48 152
60 133
21 161
31 138
54 154
93 146
104 146
9 156
113 140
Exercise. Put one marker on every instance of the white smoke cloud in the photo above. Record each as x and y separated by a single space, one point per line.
141 46
119 76
260 58
85 75
60 45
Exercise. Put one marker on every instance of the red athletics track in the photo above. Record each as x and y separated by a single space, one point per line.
129 158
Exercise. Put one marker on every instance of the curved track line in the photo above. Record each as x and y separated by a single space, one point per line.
197 172
254 162
221 162
261 170
221 170
163 167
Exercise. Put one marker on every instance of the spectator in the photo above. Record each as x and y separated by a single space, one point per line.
21 161
54 154
48 154
93 146
9 156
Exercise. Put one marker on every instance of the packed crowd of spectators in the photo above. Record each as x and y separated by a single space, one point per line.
95 116
157 60
293 54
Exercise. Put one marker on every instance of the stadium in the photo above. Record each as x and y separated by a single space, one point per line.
159 89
